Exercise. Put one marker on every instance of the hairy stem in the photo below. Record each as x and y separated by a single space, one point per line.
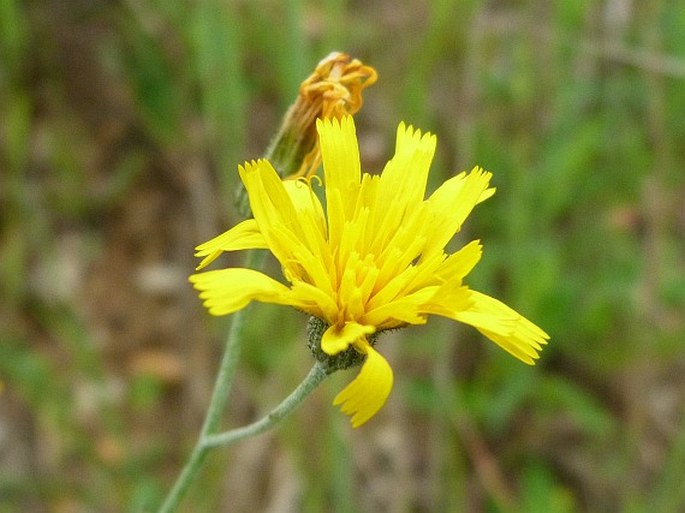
209 441
217 403
316 375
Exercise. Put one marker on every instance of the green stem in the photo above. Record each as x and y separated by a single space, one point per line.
185 478
316 375
217 403
222 387
208 441
229 360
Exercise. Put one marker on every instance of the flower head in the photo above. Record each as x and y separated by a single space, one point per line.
372 258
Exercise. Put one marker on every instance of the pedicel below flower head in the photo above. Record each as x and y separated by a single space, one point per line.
373 259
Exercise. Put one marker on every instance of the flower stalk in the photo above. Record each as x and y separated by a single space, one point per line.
315 376
208 441
334 89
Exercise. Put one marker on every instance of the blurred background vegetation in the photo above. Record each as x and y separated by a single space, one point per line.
121 126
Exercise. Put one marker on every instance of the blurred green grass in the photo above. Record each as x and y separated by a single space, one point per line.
121 127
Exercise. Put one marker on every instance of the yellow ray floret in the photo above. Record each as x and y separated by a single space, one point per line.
373 259
367 393
245 235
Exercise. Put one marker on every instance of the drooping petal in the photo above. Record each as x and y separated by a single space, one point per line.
521 343
338 338
500 323
228 290
367 393
245 235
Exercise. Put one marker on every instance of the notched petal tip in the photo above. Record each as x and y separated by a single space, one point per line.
253 166
225 291
367 393
524 340
207 260
334 123
245 235
248 165
408 134
501 324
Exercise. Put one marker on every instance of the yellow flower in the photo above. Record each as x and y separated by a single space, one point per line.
373 259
